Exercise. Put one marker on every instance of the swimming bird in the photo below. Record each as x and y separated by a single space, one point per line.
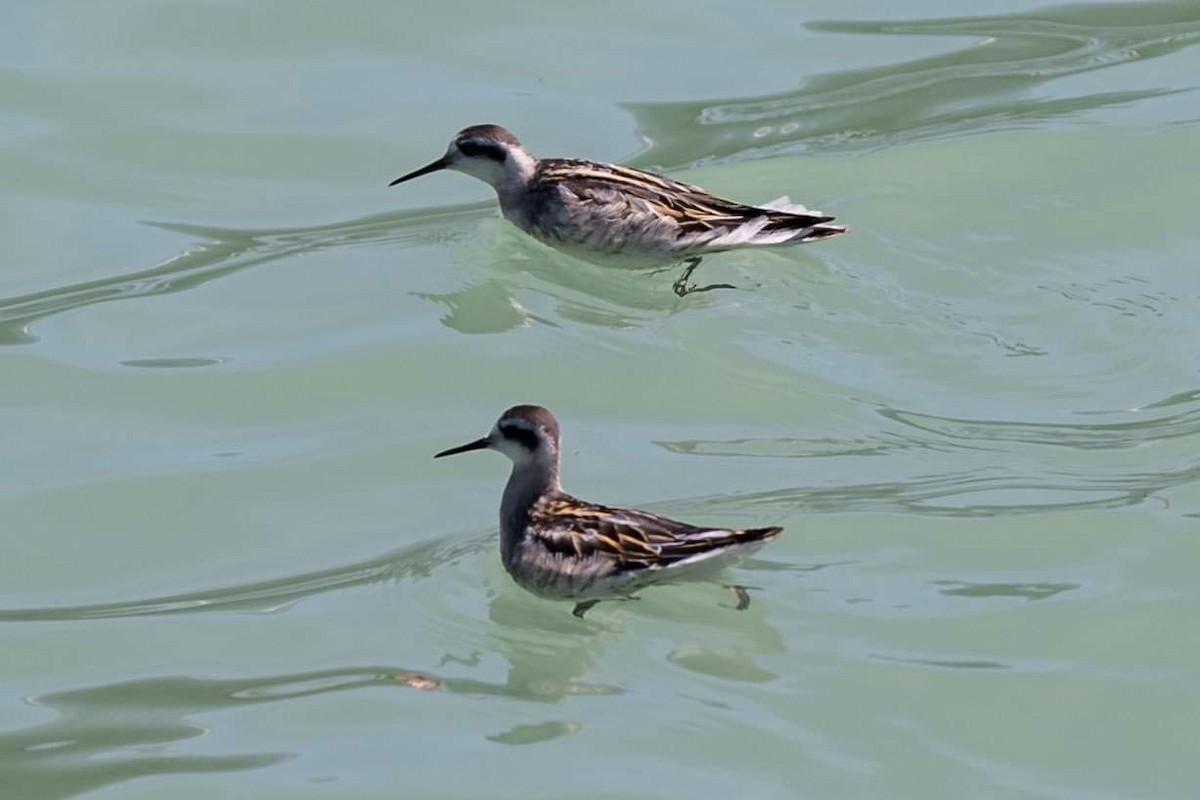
560 547
588 206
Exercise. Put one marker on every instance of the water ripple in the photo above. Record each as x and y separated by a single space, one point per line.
111 733
876 444
416 561
1102 436
224 252
967 493
960 433
987 84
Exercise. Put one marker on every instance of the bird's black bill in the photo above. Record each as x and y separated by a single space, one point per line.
425 170
478 444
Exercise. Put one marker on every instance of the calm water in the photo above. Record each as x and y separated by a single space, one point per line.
231 569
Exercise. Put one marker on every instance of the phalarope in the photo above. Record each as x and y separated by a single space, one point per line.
559 547
604 208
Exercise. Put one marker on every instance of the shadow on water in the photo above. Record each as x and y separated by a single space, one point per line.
988 84
417 561
1024 591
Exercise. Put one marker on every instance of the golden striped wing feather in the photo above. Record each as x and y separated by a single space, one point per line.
693 209
632 539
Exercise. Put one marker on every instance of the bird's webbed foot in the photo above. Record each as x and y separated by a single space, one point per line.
743 597
681 286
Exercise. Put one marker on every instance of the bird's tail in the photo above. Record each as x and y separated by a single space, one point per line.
756 535
708 551
794 222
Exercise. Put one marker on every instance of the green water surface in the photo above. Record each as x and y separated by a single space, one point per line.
229 567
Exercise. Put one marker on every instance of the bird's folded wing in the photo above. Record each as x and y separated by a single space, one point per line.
691 208
633 539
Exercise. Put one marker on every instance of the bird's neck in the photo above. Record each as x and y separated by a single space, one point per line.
527 484
517 177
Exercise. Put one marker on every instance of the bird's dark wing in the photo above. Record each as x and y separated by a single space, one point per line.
691 208
632 539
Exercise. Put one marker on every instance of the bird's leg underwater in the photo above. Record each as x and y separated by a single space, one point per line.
585 606
582 608
682 287
743 597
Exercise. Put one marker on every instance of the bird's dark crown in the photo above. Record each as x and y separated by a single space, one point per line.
485 141
523 423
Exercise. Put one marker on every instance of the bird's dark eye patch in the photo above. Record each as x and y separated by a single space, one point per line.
523 436
474 147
